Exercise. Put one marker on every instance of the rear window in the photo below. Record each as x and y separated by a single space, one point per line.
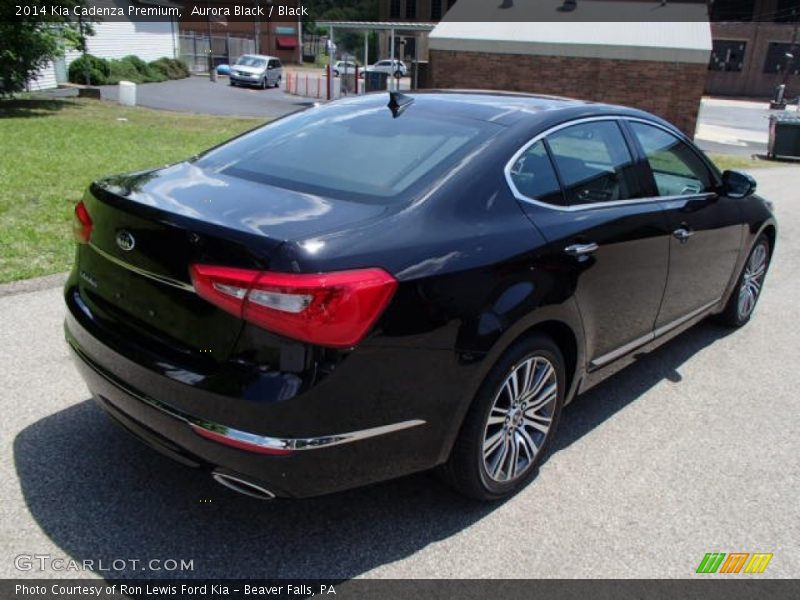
351 151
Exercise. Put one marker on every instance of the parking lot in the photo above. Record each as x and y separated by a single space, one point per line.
199 95
691 450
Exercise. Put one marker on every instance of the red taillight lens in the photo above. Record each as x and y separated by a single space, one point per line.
327 309
81 224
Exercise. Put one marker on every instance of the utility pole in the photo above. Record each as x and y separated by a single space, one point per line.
790 56
212 73
257 28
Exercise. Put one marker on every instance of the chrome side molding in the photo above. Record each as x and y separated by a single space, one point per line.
243 439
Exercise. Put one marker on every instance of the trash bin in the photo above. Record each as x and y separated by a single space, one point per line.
375 81
784 136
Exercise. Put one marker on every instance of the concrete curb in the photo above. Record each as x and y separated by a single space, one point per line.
33 285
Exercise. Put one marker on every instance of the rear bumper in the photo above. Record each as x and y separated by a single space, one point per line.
313 455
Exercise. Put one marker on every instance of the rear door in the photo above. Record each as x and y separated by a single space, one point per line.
706 229
582 188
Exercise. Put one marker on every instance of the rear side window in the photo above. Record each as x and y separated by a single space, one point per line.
594 162
351 151
534 177
676 168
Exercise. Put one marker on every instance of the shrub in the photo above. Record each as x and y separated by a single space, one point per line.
120 70
99 70
147 73
171 68
129 68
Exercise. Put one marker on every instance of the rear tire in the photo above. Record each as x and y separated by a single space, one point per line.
510 423
745 295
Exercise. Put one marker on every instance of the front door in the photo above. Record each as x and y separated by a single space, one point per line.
614 242
706 228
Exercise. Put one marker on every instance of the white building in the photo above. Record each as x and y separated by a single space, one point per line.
149 40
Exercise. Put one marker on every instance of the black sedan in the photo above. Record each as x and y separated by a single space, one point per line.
368 289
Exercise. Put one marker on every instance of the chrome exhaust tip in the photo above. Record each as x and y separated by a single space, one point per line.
237 484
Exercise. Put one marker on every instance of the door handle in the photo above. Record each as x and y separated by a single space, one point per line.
581 249
682 234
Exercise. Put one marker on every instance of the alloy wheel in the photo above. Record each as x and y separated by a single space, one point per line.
752 280
520 419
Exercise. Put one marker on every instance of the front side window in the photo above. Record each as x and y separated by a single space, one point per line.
677 169
594 162
534 177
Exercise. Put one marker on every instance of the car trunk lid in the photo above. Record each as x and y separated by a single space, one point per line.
148 228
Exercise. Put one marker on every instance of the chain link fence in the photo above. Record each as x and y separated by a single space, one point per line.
193 49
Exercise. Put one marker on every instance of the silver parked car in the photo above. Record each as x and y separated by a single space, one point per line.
256 69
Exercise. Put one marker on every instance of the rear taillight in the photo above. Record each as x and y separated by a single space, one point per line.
81 224
326 309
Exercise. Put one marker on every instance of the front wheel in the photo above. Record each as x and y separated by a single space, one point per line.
509 426
744 297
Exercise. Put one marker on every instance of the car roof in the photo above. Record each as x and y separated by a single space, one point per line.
509 108
264 56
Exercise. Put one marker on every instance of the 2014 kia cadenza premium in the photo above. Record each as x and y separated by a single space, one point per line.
361 291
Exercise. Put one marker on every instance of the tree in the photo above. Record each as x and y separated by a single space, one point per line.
29 41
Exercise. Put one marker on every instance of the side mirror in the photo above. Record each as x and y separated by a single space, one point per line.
737 185
270 67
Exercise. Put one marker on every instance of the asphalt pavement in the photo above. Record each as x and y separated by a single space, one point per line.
200 95
731 126
694 449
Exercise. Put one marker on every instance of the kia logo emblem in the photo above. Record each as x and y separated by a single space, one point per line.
125 240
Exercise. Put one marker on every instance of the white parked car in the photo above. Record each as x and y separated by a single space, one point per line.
392 67
344 66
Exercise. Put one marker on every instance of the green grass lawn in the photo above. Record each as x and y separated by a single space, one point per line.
52 149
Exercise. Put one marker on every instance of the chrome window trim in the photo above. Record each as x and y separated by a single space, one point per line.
592 205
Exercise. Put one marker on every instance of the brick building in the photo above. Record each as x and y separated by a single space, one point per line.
752 39
659 66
